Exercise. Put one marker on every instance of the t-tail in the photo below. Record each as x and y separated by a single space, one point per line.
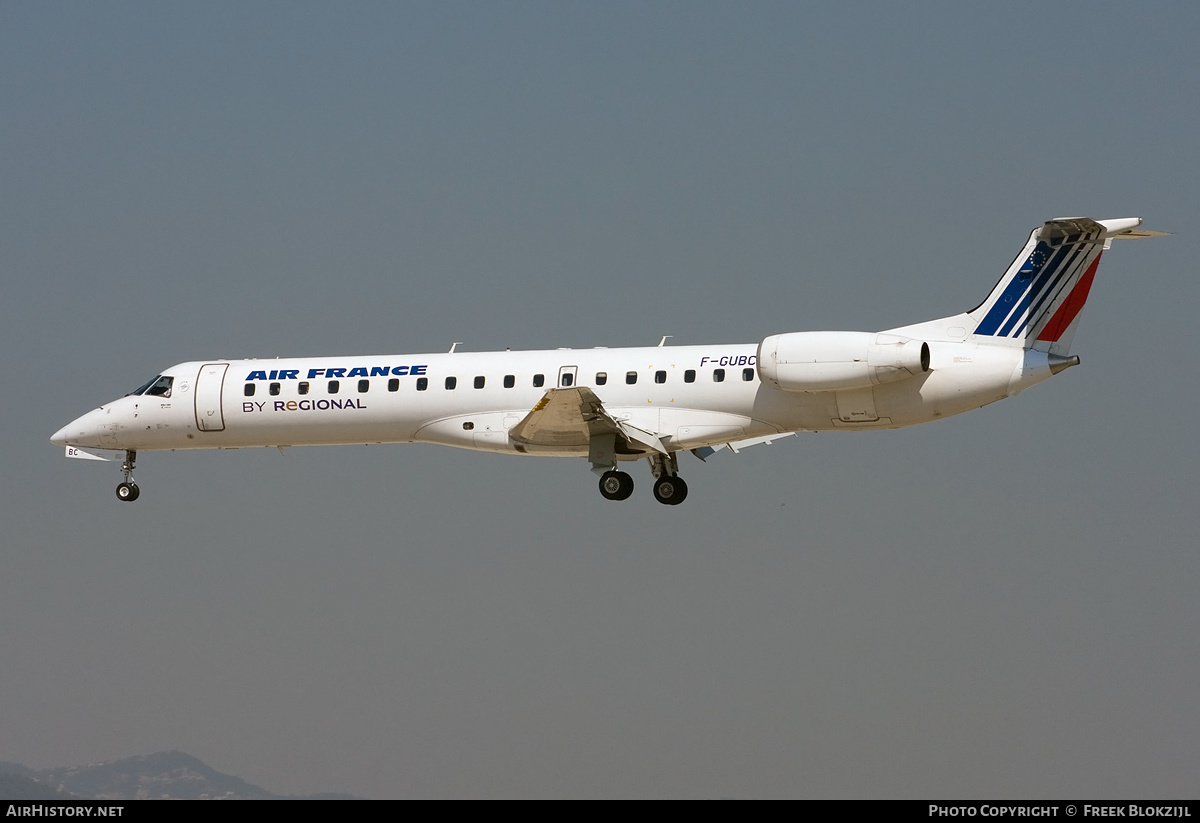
1037 302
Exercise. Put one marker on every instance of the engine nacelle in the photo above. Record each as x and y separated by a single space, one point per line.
838 360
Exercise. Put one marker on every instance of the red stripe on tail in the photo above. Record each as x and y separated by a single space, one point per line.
1071 307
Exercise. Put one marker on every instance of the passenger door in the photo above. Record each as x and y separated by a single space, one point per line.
209 385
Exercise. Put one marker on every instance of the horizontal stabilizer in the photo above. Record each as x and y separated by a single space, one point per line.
1074 229
1139 234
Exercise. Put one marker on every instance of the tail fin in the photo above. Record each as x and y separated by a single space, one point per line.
1037 302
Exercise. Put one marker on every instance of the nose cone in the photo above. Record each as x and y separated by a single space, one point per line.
83 431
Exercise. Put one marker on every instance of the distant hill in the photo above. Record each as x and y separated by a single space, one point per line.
163 775
22 787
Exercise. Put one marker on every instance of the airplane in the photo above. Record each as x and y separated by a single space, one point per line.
617 405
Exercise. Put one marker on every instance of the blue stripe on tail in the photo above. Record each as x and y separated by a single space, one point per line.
1015 291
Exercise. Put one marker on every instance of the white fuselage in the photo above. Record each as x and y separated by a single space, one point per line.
690 396
612 405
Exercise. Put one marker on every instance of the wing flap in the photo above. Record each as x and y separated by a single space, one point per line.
737 445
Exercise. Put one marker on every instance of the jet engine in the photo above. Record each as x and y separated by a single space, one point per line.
838 360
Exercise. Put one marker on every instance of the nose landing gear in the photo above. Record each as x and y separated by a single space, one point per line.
128 491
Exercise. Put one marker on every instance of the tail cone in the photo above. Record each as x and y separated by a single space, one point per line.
1059 362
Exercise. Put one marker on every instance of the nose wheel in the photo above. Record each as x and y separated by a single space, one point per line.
128 491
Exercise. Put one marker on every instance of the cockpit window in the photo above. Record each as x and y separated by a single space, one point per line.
159 386
145 385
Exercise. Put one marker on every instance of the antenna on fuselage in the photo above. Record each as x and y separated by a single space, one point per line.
663 342
453 346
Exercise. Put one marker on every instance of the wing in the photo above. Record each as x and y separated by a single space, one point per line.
572 418
736 446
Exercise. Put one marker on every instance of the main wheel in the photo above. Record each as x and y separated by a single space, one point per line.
615 485
128 492
670 491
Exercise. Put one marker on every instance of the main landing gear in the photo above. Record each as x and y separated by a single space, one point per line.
128 491
615 485
670 491
669 488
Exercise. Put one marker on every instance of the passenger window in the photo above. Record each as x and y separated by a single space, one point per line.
451 382
539 380
422 383
364 386
630 378
601 378
302 387
274 389
334 385
718 375
747 374
479 381
394 384
510 380
660 377
689 376
249 390
567 378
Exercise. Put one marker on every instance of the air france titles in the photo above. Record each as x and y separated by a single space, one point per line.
303 405
333 373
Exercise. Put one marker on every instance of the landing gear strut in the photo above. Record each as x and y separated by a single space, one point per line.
128 491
